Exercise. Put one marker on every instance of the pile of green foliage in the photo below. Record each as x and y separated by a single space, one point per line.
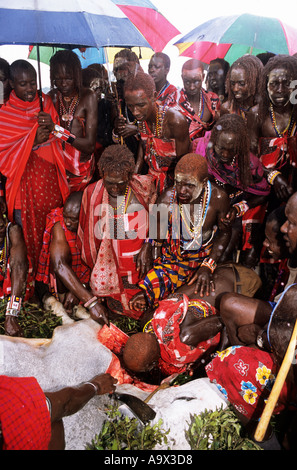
35 322
218 430
211 430
123 433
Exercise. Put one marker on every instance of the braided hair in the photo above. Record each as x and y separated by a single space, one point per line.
279 61
72 63
252 66
236 124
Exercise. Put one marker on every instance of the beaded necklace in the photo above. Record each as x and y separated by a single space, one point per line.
201 105
289 126
163 89
195 228
117 216
67 115
157 124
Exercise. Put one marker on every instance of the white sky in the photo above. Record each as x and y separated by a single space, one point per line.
186 15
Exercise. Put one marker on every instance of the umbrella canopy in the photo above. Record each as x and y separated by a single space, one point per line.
67 22
157 30
230 37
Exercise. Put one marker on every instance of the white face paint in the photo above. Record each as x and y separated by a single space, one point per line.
188 187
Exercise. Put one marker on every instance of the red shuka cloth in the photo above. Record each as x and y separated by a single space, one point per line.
43 273
175 355
113 261
198 127
37 175
24 415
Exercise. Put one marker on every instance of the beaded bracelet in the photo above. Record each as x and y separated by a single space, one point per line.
272 175
13 307
209 263
241 208
63 134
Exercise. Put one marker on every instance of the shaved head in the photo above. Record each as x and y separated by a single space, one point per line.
140 352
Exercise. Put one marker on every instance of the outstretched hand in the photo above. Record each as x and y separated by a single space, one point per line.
99 314
204 282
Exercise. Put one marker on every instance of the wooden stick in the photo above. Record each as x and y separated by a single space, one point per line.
277 387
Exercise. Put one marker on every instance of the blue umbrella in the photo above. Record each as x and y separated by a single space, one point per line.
67 22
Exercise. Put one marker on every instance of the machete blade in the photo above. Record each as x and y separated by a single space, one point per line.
140 409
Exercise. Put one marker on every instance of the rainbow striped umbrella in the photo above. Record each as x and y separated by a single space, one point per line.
230 37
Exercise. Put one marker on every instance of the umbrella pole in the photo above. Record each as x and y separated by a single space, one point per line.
39 77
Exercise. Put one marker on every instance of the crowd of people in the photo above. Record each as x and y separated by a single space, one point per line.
174 207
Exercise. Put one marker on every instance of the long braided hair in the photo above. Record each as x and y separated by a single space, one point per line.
252 66
279 61
236 124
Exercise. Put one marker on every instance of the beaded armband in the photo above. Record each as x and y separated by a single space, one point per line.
241 208
63 134
13 307
272 175
209 263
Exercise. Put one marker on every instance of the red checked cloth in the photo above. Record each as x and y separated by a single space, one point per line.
24 416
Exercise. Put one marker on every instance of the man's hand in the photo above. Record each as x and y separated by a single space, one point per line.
99 314
144 260
45 120
230 217
204 281
105 383
12 327
42 135
282 188
69 302
124 129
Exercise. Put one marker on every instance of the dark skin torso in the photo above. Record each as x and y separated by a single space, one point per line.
86 110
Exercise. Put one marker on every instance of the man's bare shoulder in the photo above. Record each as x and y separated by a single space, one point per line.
219 194
225 107
174 115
